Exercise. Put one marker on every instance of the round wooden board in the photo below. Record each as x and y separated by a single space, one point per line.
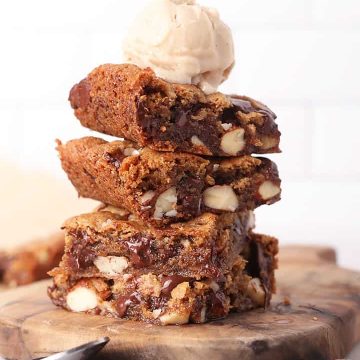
322 321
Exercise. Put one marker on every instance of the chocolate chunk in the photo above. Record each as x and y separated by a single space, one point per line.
139 246
80 95
123 303
169 283
81 254
189 194
115 158
216 305
242 105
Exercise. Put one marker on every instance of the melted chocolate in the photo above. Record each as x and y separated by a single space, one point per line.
247 107
123 302
180 127
115 158
169 283
79 96
242 105
189 194
216 305
81 255
140 249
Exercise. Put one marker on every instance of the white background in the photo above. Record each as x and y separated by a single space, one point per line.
301 57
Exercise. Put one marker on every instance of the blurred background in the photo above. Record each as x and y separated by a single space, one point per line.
301 57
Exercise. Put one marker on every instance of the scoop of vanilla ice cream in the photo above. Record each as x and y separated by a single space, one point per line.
182 42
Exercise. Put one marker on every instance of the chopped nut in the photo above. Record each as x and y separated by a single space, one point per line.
216 167
147 196
171 213
165 203
131 152
185 243
156 313
196 141
233 142
268 190
214 286
180 290
203 315
175 318
111 265
131 217
256 291
81 299
226 126
163 128
114 210
106 224
221 197
268 142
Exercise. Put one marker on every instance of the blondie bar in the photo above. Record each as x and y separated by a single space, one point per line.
174 299
133 103
164 188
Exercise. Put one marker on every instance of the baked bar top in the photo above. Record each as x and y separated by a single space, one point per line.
165 187
132 103
112 242
174 299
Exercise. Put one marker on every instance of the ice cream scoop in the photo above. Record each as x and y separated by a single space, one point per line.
182 42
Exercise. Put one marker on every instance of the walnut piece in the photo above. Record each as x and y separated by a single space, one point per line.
221 197
268 190
175 318
233 142
165 204
81 299
256 291
111 265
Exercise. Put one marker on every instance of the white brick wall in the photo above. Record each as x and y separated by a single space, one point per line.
299 56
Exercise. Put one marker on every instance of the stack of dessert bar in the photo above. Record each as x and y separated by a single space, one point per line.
173 241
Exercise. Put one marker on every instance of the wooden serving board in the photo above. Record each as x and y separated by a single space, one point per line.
322 321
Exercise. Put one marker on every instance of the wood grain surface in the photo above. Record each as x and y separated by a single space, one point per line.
322 321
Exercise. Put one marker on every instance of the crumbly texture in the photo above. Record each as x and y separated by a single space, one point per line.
165 300
165 187
31 262
106 242
132 103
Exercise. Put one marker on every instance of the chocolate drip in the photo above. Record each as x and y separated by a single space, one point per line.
189 192
247 107
123 303
140 248
242 105
81 255
169 283
79 96
180 126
